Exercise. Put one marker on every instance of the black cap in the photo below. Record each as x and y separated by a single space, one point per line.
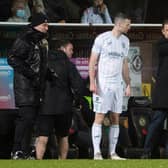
38 18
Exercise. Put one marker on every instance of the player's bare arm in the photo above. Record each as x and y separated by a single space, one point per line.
126 77
92 71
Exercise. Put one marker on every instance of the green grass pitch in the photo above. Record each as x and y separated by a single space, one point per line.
84 163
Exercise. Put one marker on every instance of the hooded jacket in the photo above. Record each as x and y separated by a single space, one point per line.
60 93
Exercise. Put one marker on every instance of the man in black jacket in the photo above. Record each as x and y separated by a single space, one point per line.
56 111
28 57
159 97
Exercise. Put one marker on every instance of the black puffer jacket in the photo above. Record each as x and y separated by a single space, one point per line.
60 93
28 57
160 93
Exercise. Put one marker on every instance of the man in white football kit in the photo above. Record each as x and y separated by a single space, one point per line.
107 67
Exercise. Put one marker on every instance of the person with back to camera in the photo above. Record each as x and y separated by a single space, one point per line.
109 53
98 13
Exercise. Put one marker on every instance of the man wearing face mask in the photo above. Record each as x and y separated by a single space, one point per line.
98 13
19 12
28 57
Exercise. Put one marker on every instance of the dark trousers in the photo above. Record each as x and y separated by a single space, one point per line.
24 125
154 130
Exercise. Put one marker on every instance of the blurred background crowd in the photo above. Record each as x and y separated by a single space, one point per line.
72 11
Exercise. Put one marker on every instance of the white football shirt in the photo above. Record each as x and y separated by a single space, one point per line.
111 51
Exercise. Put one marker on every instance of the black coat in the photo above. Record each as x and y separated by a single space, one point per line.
160 93
60 93
28 57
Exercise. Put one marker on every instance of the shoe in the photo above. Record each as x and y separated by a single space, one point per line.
32 155
146 155
116 157
98 156
17 155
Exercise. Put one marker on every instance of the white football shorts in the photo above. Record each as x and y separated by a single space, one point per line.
111 100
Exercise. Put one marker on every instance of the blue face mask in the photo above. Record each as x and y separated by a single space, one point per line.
21 13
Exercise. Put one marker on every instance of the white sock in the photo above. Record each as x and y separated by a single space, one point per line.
96 137
113 138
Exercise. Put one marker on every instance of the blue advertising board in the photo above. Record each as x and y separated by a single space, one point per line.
6 85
